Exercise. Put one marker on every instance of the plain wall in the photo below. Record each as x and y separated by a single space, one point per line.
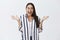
9 28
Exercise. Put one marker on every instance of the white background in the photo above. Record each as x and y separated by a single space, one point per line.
9 28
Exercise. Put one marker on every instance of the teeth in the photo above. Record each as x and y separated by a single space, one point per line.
29 14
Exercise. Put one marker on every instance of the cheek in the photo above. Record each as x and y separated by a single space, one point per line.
27 10
32 10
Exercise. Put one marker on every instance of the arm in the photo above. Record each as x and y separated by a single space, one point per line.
41 22
17 19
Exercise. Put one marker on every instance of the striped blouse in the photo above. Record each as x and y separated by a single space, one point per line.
28 29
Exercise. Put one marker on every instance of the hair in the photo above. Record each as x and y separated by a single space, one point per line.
34 14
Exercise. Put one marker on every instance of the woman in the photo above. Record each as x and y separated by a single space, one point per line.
30 24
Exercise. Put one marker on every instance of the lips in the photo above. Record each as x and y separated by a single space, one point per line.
29 12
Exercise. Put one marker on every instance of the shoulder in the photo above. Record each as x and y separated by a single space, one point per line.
22 15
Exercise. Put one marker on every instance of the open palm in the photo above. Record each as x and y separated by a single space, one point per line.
15 17
45 17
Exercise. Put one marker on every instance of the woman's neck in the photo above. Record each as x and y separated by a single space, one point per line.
30 18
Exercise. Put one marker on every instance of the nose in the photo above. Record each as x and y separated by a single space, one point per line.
29 10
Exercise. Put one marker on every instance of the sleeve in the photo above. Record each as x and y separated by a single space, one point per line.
21 27
39 28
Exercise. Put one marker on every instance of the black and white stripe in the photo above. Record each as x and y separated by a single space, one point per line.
25 33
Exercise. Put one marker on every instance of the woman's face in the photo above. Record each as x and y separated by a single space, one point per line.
29 10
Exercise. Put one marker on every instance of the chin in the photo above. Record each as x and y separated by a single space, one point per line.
29 14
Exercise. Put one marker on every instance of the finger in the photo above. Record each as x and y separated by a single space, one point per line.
16 16
13 17
45 17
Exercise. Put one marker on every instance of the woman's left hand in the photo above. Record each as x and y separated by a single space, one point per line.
45 17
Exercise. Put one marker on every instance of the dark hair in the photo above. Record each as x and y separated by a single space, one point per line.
34 14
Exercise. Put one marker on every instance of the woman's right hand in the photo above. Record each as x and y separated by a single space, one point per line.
18 20
15 17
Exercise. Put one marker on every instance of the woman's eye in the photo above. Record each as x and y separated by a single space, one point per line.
31 8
